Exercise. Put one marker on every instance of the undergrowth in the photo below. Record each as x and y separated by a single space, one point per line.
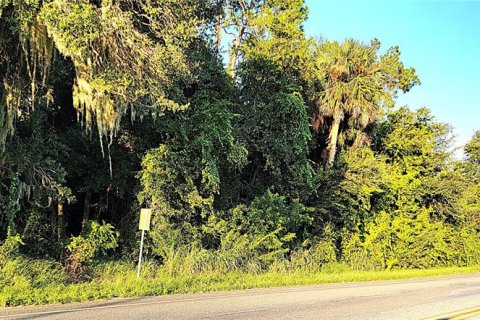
42 282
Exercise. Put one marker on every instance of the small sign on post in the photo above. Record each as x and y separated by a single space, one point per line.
144 224
145 215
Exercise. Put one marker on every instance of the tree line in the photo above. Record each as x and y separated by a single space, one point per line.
257 147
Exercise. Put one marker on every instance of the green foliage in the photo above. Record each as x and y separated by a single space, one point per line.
183 174
414 139
270 213
32 178
10 247
75 26
118 63
286 164
472 148
11 203
273 125
404 202
319 257
248 238
95 243
356 85
421 174
23 280
182 177
363 180
410 241
182 251
278 35
472 152
19 276
469 205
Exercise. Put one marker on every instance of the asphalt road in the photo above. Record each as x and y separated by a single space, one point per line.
405 299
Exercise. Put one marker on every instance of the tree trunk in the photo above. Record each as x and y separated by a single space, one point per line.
234 52
86 211
53 220
332 143
98 207
60 222
218 31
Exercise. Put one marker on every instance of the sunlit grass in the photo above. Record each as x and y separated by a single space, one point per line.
119 280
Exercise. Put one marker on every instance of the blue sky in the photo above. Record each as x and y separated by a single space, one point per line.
441 39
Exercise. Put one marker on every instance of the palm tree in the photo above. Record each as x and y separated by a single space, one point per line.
355 86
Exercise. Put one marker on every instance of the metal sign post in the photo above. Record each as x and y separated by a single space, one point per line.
145 217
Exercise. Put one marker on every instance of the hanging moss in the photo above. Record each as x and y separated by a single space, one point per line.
27 62
8 111
126 54
117 63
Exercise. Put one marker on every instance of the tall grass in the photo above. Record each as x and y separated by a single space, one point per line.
118 279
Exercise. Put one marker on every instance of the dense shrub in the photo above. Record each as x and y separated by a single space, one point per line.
82 249
406 241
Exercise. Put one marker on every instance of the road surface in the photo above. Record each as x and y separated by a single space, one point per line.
453 297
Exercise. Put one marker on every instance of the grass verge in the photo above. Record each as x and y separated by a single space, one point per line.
119 280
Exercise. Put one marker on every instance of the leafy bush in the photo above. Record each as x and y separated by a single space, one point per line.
470 242
10 248
411 241
269 213
98 239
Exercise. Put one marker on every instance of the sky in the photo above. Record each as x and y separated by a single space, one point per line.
440 39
